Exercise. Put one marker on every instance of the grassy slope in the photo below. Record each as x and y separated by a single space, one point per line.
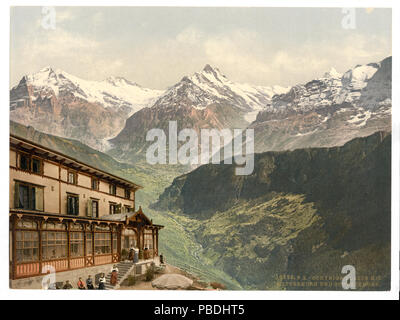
307 212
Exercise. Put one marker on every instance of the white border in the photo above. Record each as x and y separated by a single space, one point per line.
6 293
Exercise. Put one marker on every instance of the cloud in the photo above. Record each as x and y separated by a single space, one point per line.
243 55
190 36
247 57
62 49
65 15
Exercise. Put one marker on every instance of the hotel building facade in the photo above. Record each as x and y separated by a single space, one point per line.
67 215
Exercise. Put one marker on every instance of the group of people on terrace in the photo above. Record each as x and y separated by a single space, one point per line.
90 283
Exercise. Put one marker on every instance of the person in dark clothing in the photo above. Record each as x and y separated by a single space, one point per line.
89 283
131 254
67 285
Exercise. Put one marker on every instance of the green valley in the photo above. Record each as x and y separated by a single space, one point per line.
303 213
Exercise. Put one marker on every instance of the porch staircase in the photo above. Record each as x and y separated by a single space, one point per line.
124 269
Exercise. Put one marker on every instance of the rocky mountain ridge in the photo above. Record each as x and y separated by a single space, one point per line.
56 102
328 111
305 213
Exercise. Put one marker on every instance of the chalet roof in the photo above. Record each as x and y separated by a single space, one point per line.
130 216
66 160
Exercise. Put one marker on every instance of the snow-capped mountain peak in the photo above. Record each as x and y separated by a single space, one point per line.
210 86
120 82
358 77
332 73
352 87
213 74
117 93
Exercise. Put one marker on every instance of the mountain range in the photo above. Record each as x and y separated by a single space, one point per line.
115 114
56 102
328 111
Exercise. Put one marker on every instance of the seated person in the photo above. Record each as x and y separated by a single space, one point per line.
67 285
81 284
89 283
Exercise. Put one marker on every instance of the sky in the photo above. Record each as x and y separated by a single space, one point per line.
156 47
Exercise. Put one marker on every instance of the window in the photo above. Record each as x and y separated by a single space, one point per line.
95 184
148 240
77 244
36 166
54 245
95 209
127 193
27 246
72 177
73 205
29 163
102 243
113 208
130 239
28 197
127 209
113 189
24 162
92 209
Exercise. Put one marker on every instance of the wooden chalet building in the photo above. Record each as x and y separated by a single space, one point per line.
67 215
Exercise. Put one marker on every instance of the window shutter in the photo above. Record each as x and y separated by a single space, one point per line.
89 208
68 204
16 195
77 205
39 199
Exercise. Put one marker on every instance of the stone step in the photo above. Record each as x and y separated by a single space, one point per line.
123 269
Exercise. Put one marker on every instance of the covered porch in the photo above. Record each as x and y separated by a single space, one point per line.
42 243
137 232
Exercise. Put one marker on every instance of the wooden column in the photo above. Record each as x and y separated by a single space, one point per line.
112 243
140 245
13 247
119 245
93 253
40 223
84 243
59 188
138 238
69 244
153 243
158 253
